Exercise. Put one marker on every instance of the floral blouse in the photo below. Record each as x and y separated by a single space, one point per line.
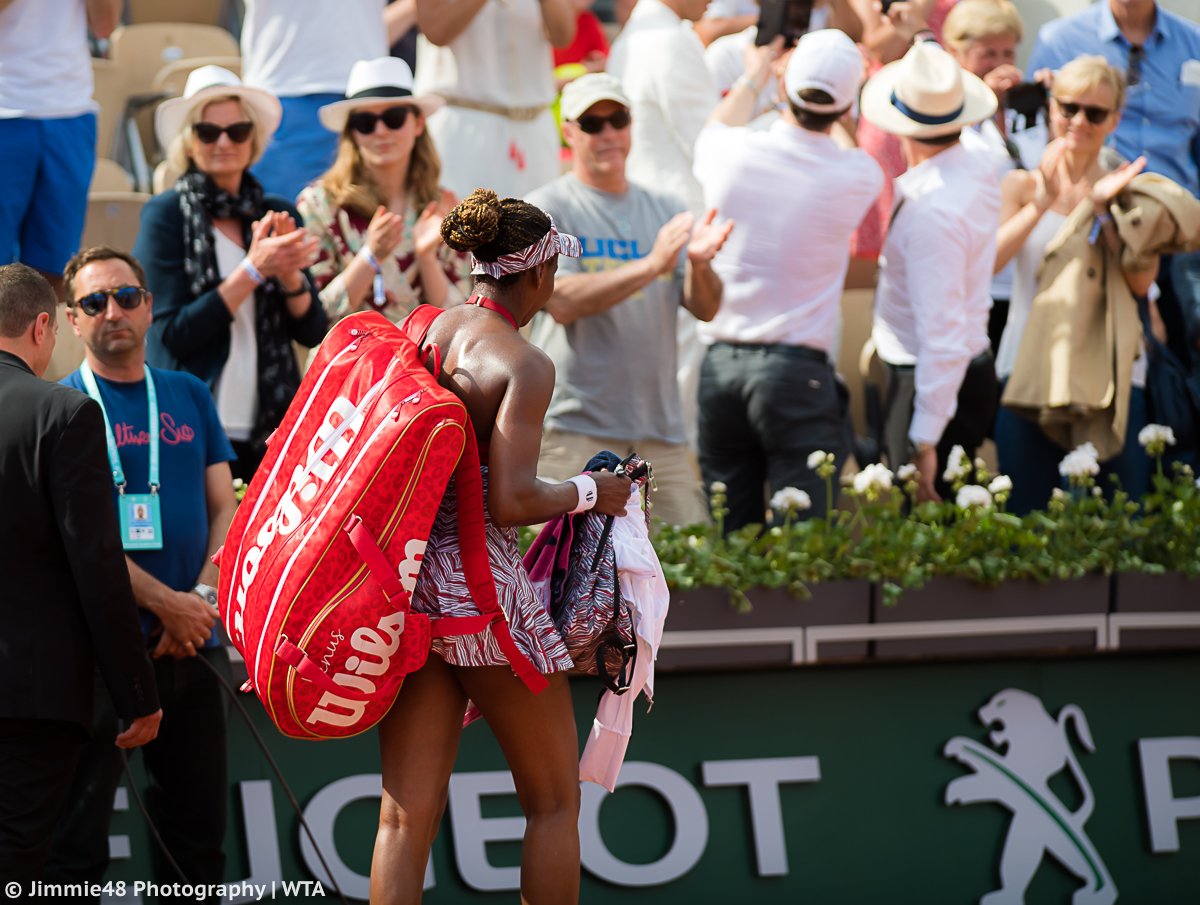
342 234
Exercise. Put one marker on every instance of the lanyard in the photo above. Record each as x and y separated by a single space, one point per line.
114 457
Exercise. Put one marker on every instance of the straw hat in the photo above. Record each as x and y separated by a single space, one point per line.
209 83
375 81
926 94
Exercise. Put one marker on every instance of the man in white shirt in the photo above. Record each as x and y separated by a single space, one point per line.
768 396
610 325
933 299
302 51
660 62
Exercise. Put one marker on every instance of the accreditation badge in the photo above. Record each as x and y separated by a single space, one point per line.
141 521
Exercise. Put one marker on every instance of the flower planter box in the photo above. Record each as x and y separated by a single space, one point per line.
703 631
1017 617
1155 611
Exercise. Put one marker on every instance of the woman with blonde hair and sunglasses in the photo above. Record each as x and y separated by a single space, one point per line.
227 262
377 212
1076 167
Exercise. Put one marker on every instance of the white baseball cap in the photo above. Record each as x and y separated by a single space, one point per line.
828 60
590 89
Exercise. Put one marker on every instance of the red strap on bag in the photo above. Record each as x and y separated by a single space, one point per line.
468 486
385 576
309 669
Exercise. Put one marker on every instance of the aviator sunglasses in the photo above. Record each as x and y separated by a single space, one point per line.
127 297
593 124
209 133
393 117
1095 115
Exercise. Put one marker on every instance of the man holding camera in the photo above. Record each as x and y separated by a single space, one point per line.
169 459
642 259
768 395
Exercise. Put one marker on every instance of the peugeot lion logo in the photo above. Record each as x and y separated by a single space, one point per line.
1030 747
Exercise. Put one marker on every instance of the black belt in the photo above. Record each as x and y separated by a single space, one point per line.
807 352
983 358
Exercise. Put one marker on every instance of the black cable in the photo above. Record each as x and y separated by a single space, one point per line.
162 845
287 790
233 695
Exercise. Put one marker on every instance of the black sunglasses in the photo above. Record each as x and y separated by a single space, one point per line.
209 133
393 117
1095 115
1133 72
593 124
127 297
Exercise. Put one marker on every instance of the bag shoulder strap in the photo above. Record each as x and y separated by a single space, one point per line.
416 325
477 566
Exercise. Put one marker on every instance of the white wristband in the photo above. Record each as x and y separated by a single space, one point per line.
252 271
369 257
586 485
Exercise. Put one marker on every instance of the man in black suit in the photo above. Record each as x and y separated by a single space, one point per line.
66 606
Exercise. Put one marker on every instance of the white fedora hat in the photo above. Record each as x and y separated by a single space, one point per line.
926 94
209 83
373 82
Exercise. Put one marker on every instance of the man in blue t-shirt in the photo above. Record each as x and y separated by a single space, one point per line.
175 502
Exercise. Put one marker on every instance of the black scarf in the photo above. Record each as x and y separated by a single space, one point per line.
201 202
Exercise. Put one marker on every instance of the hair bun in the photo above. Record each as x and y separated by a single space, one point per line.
475 221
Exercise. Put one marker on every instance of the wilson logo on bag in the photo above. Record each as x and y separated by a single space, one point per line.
319 565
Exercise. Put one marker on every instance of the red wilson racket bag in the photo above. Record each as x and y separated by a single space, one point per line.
323 554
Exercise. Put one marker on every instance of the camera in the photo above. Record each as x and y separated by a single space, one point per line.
1026 99
789 18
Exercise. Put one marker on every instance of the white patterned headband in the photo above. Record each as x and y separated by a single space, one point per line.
551 244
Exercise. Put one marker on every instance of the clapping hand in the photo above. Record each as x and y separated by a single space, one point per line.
672 237
707 238
427 232
1047 176
278 247
1107 187
384 232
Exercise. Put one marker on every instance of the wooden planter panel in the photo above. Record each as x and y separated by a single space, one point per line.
709 610
957 600
1139 592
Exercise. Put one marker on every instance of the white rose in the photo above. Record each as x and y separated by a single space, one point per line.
906 472
1002 483
816 459
957 465
718 487
1156 437
1079 462
874 477
791 499
970 495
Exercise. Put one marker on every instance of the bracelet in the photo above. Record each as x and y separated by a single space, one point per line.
252 271
1098 225
369 257
744 81
293 293
585 484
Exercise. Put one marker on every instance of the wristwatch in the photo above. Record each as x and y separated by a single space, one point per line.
207 593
